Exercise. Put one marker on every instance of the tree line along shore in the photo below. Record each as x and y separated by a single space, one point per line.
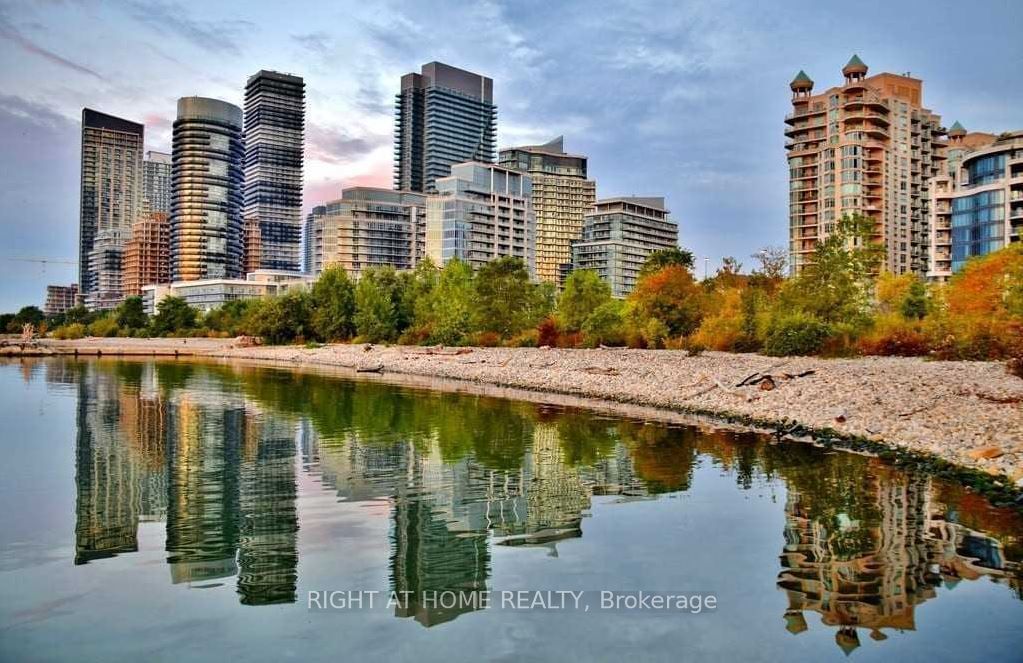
840 305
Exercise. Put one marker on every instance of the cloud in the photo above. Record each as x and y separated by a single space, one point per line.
324 190
170 18
11 33
337 146
38 198
317 43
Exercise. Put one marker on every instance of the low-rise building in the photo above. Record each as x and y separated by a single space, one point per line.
618 235
368 227
208 294
481 212
60 298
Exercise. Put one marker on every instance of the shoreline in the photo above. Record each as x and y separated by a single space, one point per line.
969 414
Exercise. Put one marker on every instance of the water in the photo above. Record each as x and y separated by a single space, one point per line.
180 512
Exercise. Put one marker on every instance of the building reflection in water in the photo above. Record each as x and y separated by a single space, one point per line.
217 470
864 546
212 453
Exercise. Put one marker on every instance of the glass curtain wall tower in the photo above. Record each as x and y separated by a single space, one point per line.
443 116
111 199
206 207
274 134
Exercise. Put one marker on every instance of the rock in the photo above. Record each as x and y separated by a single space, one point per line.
842 415
767 384
985 453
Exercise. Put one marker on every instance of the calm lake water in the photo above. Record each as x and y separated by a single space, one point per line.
168 511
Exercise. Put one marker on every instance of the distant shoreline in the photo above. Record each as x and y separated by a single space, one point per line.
969 414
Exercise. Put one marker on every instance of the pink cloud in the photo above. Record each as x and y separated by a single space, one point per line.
319 192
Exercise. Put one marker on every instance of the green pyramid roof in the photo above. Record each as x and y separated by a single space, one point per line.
855 61
801 77
957 127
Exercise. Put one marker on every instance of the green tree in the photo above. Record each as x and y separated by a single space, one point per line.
229 318
173 316
504 300
837 285
6 323
131 314
282 319
658 260
78 315
415 298
584 292
914 306
446 313
32 315
606 325
375 310
333 304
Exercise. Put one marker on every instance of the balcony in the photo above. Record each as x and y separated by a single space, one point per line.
865 100
803 112
864 114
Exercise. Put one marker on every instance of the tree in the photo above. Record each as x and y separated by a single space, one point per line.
773 261
375 310
446 313
333 305
78 315
28 315
606 325
584 293
504 300
837 286
131 314
658 260
670 296
173 315
229 318
501 297
6 321
282 319
415 296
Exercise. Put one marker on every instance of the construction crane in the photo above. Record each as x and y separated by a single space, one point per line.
56 261
42 262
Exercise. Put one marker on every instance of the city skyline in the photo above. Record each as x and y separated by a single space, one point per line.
682 102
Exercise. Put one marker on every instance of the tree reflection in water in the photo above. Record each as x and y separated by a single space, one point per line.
213 452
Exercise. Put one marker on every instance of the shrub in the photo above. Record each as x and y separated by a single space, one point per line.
796 334
485 339
70 332
105 327
547 332
893 335
655 332
570 340
692 346
527 339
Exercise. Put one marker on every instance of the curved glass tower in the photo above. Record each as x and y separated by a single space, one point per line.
206 203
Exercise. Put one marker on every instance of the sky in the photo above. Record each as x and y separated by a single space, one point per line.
677 98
